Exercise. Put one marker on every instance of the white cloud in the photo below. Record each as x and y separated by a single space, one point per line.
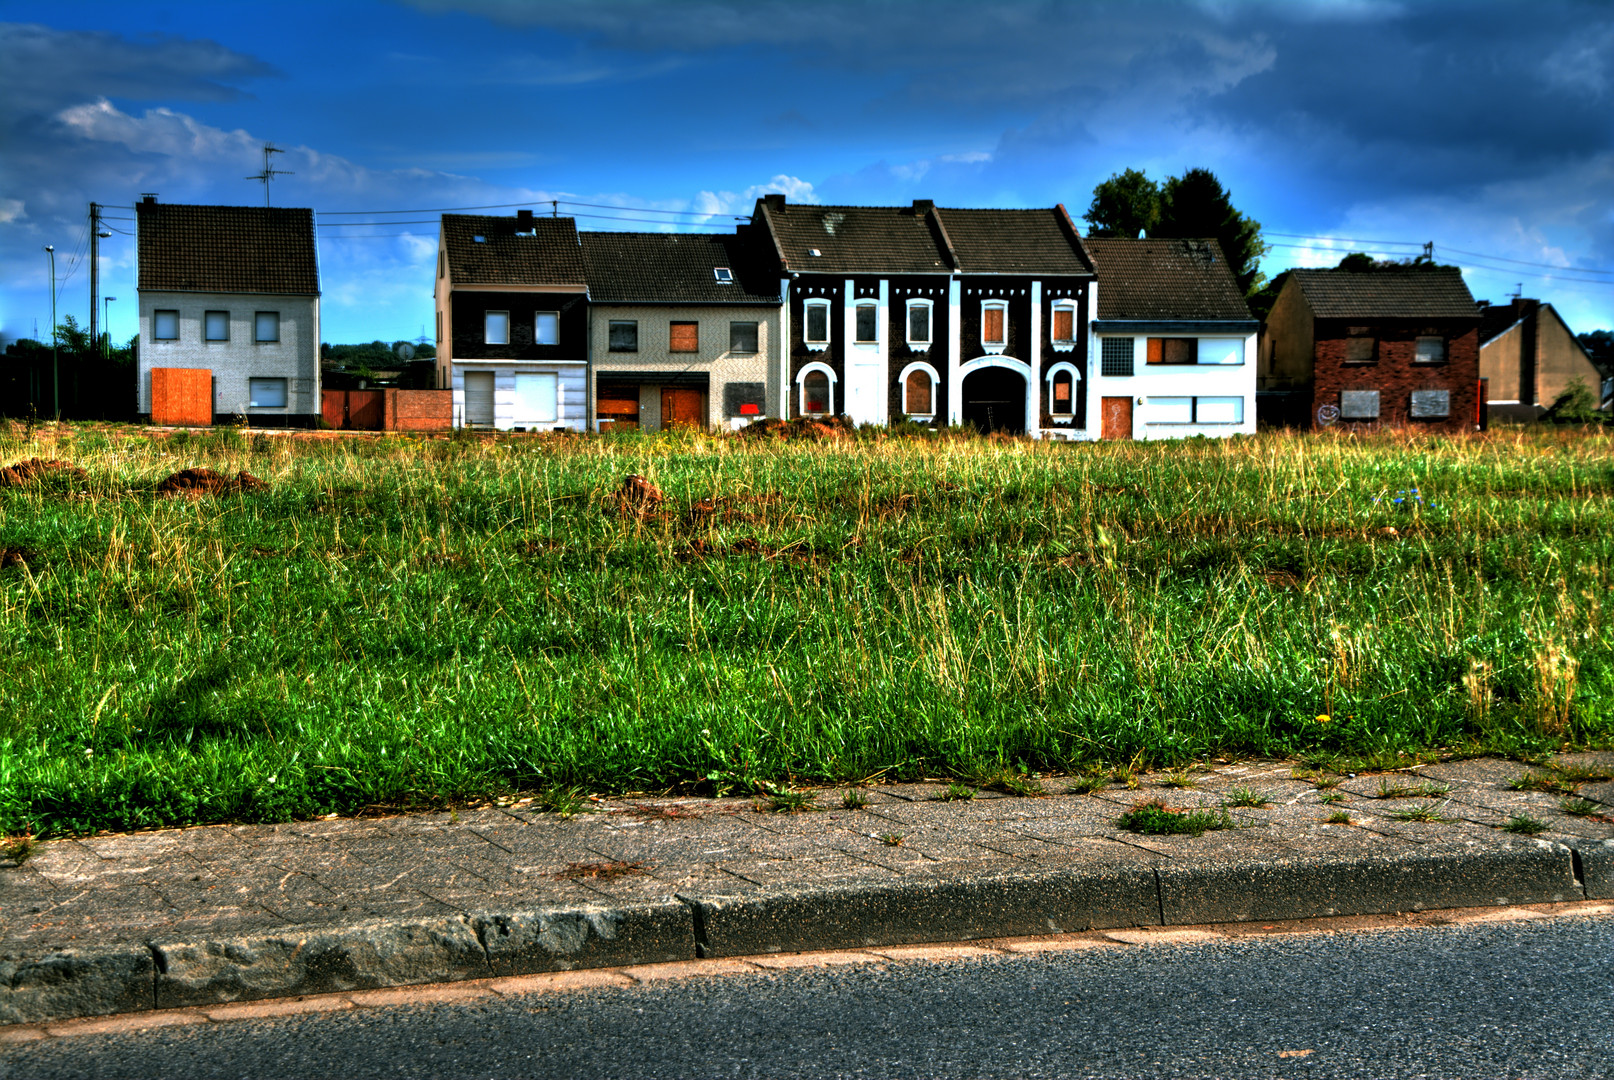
10 210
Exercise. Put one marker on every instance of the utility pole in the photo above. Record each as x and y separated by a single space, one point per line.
97 234
55 378
269 173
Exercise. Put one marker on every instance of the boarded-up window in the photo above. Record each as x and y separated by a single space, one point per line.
1173 350
1116 357
624 335
742 337
918 392
1064 394
1431 404
992 325
868 323
1361 350
1358 404
1064 324
683 337
1431 350
815 392
744 398
817 322
919 324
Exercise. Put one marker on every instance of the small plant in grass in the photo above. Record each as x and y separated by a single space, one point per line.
1086 785
1244 796
1339 817
891 839
1178 779
1012 783
561 799
1522 823
854 799
1426 812
1580 808
17 849
1326 780
1331 797
1155 818
956 792
1542 782
1583 774
789 801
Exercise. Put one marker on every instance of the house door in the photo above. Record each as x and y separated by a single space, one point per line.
1117 418
865 392
479 398
994 399
682 406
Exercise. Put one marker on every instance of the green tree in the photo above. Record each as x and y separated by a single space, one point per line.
1195 205
1599 345
1576 405
1124 205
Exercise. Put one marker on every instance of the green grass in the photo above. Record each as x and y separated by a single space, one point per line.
1529 826
956 792
1244 796
1426 790
854 799
1157 819
1429 812
1339 817
399 623
1543 782
1581 808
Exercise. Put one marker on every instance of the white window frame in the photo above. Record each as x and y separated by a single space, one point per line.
723 275
1065 345
935 389
537 322
252 392
207 319
801 387
1075 379
807 321
157 321
995 348
929 307
487 327
858 309
257 327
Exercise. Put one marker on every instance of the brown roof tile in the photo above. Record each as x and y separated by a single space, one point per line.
227 249
1015 241
550 255
674 268
856 239
1438 293
1165 279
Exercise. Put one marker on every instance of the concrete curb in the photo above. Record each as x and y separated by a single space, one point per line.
387 953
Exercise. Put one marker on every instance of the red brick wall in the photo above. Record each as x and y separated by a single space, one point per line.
420 410
182 396
1396 374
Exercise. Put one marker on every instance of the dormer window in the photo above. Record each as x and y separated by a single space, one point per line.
723 274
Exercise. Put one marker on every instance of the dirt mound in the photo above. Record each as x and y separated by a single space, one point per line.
205 481
637 496
22 473
803 427
14 556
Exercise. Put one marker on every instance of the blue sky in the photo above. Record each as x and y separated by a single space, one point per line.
1485 128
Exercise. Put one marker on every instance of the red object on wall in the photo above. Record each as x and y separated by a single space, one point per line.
182 396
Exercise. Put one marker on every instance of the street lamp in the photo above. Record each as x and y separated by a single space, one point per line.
106 323
55 377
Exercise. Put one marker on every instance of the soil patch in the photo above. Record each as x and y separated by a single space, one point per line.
205 481
32 471
637 496
15 556
803 427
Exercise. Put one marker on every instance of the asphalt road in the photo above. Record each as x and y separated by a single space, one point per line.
1523 999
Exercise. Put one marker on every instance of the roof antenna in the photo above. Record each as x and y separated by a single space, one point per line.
268 173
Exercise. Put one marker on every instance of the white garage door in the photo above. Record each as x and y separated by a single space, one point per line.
479 398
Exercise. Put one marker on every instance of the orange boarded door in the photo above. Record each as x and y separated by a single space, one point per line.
182 396
366 410
1117 418
682 407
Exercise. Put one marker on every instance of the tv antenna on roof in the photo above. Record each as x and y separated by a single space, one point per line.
269 173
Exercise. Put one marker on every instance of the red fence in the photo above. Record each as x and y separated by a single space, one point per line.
388 410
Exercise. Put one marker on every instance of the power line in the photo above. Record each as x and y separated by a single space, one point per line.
1563 274
1444 247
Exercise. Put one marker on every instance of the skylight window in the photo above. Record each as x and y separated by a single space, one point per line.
480 239
724 275
814 252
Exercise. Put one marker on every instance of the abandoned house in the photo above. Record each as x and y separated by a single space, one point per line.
1528 357
1366 348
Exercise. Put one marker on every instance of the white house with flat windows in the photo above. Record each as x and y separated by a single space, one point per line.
233 290
1173 345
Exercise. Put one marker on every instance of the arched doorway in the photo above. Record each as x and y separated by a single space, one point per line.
994 399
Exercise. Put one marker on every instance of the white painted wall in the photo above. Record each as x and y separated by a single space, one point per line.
295 357
573 391
1172 380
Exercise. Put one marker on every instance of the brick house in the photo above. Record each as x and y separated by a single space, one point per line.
1529 356
930 315
512 322
1174 342
1377 347
232 294
683 329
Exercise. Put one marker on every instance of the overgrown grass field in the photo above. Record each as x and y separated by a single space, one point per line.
395 622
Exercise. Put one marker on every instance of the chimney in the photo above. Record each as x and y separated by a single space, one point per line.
774 201
924 206
524 221
148 197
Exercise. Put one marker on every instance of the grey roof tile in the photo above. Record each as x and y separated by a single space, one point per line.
674 268
1041 241
1165 279
1438 293
549 255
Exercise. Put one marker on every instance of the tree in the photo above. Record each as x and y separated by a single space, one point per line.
1195 205
1599 345
1124 205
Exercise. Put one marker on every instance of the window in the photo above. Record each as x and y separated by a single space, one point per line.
868 320
815 328
216 326
683 337
1431 404
1064 325
266 326
537 398
1431 350
1361 349
267 393
624 335
1171 410
1221 351
994 319
742 337
165 326
723 274
1196 410
1173 350
1062 380
918 385
815 385
496 328
546 328
919 332
1358 404
1116 358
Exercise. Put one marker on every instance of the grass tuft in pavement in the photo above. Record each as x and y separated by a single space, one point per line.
1157 819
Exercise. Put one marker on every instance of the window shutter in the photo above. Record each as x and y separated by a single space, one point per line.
992 325
684 337
1064 325
1156 346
